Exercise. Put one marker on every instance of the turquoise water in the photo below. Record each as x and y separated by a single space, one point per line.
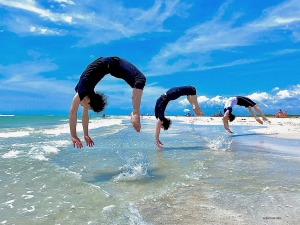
245 178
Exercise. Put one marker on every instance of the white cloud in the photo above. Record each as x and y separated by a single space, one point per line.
43 31
217 100
202 98
259 96
187 52
70 2
33 7
184 102
283 94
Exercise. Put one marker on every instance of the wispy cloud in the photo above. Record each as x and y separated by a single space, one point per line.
193 50
286 51
27 77
34 7
92 21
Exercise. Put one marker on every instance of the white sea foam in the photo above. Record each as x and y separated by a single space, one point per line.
40 153
94 124
14 134
9 203
11 154
6 115
32 208
134 215
59 143
108 208
27 196
50 149
40 157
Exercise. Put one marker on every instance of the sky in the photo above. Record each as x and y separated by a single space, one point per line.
223 48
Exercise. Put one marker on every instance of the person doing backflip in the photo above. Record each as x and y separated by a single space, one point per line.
241 101
162 102
97 101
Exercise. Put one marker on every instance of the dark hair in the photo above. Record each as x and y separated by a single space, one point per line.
231 117
166 123
98 101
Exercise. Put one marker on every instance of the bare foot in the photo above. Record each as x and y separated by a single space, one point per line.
266 120
198 112
135 120
258 120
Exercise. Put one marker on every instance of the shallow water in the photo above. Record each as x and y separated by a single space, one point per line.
204 175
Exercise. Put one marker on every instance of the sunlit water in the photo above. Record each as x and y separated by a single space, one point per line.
202 176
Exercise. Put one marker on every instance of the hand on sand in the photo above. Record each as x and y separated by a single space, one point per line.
76 142
159 144
89 141
135 120
258 120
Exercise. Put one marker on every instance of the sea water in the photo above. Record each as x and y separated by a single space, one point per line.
203 175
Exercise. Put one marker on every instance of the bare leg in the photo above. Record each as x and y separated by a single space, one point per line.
193 101
253 114
260 113
136 103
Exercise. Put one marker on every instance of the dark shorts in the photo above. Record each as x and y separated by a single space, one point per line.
244 101
123 69
177 92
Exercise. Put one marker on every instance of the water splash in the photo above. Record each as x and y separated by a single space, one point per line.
214 141
134 169
218 143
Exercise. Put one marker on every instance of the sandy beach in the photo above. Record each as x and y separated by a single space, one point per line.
279 127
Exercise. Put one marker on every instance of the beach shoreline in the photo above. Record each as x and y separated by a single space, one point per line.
287 128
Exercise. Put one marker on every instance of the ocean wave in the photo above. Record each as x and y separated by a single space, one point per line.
11 154
94 124
40 153
6 115
14 134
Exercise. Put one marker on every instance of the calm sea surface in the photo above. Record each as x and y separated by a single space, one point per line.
203 176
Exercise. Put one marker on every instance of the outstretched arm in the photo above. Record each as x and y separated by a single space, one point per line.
85 125
225 121
73 121
157 132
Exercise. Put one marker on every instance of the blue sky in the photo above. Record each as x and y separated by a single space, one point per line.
223 48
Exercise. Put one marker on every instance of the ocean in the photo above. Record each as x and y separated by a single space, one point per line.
203 175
